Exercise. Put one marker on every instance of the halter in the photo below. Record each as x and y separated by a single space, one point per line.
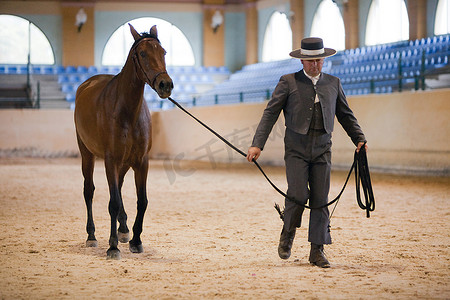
137 62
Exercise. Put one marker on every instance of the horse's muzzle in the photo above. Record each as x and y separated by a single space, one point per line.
164 86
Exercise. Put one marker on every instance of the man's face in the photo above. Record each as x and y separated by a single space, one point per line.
313 67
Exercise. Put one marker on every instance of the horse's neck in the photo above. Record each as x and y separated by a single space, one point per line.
130 90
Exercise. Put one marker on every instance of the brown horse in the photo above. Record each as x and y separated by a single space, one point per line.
113 122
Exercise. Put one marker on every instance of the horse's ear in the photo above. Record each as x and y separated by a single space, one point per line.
153 31
135 34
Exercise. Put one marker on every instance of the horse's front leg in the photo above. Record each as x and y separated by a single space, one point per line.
115 205
141 190
123 232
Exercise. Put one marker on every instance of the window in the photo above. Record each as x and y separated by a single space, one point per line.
387 22
329 25
18 38
442 23
179 51
277 39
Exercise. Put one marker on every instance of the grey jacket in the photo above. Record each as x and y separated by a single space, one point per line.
295 94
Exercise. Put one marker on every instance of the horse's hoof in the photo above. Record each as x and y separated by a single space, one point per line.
113 254
123 237
136 248
91 243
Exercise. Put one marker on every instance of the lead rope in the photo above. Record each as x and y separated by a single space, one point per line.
359 164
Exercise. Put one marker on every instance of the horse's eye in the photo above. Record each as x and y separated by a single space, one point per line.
143 54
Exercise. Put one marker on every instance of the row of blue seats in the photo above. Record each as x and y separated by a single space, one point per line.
56 70
396 55
382 48
181 90
434 41
81 70
414 48
432 62
78 78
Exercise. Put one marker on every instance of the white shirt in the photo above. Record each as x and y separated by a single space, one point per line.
314 81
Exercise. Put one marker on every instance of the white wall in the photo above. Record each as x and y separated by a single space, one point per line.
406 132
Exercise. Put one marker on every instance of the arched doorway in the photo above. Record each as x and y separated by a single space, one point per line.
277 39
20 38
387 22
442 21
329 25
179 50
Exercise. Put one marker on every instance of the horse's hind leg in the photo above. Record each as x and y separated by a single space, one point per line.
87 167
141 190
123 233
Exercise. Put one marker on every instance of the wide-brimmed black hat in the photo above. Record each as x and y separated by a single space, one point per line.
312 48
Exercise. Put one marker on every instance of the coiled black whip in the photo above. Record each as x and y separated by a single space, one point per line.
360 164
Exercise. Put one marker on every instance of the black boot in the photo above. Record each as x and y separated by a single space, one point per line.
285 245
317 256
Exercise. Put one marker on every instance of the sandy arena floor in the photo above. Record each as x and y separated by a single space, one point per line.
213 233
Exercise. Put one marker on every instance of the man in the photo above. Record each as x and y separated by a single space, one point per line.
310 100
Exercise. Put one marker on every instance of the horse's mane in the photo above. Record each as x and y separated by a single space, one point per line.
145 35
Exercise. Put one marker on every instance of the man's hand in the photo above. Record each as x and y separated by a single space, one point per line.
360 144
253 153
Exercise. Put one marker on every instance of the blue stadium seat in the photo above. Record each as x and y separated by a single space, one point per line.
74 78
223 69
212 69
189 88
104 70
70 70
22 69
82 69
48 70
183 78
92 70
84 77
60 70
67 88
70 97
205 78
36 70
63 79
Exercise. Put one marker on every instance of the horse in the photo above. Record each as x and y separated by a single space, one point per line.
113 122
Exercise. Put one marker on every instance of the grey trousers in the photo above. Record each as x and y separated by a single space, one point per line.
308 167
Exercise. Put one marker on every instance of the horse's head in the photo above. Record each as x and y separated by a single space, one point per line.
150 63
